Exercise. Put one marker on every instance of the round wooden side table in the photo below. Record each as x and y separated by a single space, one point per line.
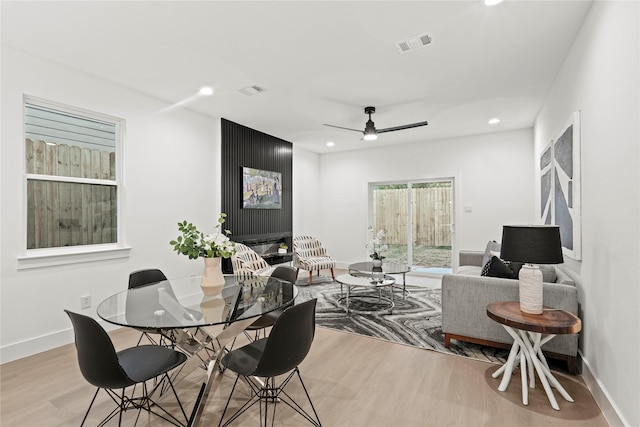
530 332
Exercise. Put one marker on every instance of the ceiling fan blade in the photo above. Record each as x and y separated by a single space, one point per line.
409 126
340 127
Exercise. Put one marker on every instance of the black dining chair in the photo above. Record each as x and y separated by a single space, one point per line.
141 278
261 361
145 277
111 371
282 272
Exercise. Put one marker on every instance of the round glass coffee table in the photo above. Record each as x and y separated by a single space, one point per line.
367 268
366 284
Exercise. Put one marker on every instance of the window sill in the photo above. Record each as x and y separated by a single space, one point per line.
41 258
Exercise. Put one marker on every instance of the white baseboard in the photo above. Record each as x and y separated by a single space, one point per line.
36 345
42 343
601 396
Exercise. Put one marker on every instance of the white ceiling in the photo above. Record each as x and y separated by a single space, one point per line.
319 61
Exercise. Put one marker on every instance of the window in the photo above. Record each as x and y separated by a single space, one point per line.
72 169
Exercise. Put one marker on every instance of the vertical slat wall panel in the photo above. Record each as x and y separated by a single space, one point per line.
243 146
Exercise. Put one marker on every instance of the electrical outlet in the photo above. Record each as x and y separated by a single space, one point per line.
85 301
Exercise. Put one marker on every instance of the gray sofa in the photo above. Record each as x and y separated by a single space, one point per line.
466 293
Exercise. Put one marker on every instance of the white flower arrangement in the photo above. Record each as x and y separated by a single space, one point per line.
375 246
195 244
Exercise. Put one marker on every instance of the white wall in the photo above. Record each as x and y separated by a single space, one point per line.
600 77
306 192
168 177
493 175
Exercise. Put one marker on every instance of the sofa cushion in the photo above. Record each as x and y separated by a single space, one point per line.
498 268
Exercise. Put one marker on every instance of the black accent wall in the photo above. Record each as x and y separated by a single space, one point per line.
243 146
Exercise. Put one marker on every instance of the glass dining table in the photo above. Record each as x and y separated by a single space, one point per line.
199 325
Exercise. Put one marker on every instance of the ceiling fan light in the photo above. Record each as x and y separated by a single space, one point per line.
370 135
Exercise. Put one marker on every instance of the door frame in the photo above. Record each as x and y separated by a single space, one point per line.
456 208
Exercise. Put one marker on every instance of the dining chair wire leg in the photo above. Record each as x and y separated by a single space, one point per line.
89 408
145 402
172 419
255 398
304 413
270 393
118 410
292 403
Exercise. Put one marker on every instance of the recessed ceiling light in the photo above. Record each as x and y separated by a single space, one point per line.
330 143
494 121
492 2
206 91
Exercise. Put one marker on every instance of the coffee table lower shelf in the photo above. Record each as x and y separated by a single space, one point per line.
366 284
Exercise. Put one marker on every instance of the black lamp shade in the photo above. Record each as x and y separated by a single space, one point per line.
534 244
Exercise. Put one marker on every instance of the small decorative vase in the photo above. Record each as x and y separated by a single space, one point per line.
377 262
212 279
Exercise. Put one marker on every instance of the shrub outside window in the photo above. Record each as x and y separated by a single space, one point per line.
71 166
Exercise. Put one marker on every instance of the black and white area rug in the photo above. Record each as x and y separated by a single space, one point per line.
415 320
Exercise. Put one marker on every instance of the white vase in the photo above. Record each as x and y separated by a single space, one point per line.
212 279
530 289
377 262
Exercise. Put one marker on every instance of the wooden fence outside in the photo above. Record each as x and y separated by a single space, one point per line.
66 213
431 211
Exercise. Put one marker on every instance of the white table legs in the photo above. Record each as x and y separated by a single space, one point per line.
526 352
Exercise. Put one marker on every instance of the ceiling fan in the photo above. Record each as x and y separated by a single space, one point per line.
371 133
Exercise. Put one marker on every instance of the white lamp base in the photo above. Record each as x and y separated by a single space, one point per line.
530 279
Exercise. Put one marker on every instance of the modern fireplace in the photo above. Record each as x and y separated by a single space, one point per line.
266 246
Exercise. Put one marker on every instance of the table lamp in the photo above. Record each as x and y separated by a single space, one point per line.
531 244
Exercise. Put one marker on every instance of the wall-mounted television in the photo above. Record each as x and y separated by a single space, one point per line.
261 189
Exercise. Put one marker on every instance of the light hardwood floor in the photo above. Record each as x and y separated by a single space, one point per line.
353 381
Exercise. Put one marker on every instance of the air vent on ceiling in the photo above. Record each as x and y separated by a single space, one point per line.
413 43
252 90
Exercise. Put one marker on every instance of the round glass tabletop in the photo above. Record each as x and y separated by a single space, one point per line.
180 303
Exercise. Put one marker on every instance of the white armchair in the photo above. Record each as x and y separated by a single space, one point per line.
310 255
247 262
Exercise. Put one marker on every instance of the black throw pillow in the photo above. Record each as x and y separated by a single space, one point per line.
498 268
515 267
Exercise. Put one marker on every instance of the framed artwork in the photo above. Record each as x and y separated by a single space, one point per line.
261 189
560 186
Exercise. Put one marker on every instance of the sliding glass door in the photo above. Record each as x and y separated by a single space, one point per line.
417 218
